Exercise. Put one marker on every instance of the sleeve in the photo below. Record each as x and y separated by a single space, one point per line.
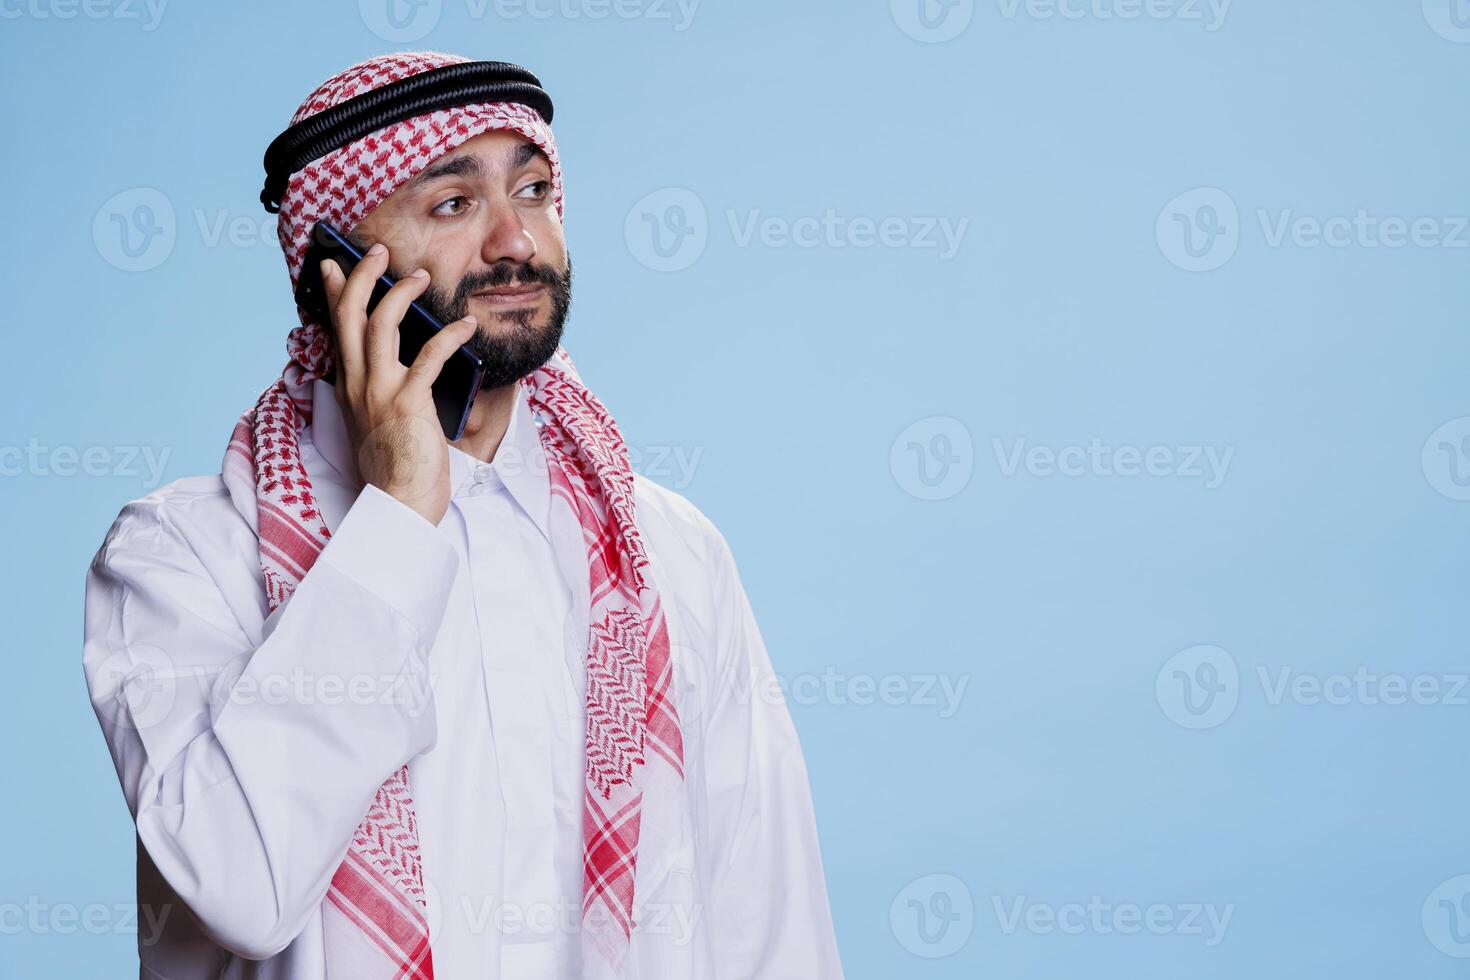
248 766
769 917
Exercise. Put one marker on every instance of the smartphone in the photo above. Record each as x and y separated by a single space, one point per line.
459 380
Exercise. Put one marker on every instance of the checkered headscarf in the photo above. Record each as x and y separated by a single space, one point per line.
374 910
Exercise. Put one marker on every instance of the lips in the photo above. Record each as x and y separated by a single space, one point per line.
518 295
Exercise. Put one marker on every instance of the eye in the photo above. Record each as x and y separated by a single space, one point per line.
536 191
452 206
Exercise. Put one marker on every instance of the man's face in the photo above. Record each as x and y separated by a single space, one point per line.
482 222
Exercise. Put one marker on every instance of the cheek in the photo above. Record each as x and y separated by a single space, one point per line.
547 232
445 253
407 241
444 274
447 257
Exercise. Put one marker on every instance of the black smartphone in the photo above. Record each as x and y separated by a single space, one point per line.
459 380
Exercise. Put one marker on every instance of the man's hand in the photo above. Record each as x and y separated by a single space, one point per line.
389 408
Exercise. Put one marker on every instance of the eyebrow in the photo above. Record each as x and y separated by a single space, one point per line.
469 166
525 153
465 166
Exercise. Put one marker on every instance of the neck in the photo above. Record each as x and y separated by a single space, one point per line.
488 421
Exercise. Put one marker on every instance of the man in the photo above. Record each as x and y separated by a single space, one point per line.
383 706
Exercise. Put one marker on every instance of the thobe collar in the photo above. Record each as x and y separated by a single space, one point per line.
519 465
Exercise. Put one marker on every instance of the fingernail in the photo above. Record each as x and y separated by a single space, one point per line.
377 249
419 274
471 321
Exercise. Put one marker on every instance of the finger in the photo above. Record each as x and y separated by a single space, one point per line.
354 296
382 329
349 334
339 373
437 352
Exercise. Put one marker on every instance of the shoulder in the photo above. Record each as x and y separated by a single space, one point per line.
677 529
177 510
695 570
189 526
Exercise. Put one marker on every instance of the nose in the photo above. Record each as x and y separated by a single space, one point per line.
507 239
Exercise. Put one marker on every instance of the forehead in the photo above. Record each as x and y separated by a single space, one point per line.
490 153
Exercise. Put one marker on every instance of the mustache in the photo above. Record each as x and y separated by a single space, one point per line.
449 306
506 274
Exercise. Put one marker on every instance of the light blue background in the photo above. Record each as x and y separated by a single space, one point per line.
791 372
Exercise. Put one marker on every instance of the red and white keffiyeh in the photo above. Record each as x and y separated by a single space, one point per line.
375 922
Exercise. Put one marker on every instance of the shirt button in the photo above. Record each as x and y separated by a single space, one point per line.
481 484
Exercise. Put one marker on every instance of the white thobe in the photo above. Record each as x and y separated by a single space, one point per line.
249 745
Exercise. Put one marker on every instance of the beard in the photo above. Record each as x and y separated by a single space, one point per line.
520 345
